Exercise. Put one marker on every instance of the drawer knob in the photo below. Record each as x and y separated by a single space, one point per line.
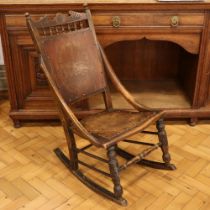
174 21
116 21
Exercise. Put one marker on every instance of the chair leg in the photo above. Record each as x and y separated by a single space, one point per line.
114 171
73 162
164 143
72 150
116 196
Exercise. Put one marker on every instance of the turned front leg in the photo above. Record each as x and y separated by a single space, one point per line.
163 140
113 167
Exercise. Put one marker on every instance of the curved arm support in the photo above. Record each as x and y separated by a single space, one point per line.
66 108
120 87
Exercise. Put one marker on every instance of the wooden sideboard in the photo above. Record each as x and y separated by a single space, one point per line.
160 51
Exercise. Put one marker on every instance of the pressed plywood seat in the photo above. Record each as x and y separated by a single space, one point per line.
110 125
77 68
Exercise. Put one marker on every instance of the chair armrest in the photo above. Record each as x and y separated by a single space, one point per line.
126 94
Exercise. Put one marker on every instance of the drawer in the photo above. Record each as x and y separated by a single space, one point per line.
161 19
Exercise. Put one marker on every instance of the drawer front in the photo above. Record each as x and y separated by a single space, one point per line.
131 19
171 19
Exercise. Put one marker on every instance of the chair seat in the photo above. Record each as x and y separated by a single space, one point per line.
106 126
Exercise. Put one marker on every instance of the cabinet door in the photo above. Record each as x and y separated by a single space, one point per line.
31 88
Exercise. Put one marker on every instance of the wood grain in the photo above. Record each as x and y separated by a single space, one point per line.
148 19
80 1
43 186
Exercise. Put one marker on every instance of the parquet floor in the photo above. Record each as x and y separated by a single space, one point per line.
31 177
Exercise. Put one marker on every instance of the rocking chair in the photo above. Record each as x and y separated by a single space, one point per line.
76 67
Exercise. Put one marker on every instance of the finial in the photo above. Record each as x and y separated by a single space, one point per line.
85 5
27 14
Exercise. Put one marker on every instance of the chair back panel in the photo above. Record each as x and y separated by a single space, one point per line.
71 54
75 64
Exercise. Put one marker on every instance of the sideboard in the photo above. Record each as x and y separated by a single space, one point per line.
160 51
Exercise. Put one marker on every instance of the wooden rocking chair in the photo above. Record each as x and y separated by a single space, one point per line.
76 67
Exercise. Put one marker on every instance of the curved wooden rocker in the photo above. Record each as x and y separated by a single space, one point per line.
76 68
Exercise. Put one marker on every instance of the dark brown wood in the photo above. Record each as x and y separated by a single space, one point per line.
142 19
163 141
139 142
107 99
8 62
3 94
93 156
193 121
141 53
87 181
116 129
145 31
139 157
94 168
145 5
76 68
114 170
145 162
71 143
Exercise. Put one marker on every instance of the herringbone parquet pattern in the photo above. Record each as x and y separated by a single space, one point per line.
31 176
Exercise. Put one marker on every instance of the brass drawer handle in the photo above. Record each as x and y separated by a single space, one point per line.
116 21
174 21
